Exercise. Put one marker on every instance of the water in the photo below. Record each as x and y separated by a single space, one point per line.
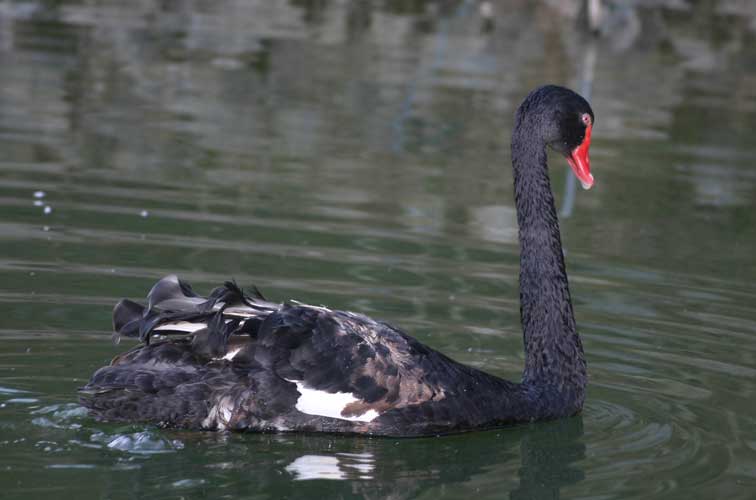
356 154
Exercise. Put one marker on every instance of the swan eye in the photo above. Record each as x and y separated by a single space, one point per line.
586 118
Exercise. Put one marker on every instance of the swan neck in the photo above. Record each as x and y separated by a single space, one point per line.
553 351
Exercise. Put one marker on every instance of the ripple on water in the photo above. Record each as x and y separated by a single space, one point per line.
10 390
649 439
188 483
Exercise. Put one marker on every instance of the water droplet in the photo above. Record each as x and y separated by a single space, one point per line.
39 194
144 213
47 210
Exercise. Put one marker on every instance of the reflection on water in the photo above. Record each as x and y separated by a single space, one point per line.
356 154
536 461
549 461
338 466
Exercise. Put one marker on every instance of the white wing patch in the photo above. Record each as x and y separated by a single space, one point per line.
230 354
182 326
328 404
185 326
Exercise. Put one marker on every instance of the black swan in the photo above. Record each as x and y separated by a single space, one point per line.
239 362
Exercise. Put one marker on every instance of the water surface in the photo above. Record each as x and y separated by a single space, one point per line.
356 154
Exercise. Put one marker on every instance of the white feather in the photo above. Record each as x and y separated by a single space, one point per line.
230 354
185 326
328 404
182 326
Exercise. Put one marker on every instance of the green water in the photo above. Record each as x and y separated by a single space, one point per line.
356 154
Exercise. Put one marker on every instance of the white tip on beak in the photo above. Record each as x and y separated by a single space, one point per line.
587 185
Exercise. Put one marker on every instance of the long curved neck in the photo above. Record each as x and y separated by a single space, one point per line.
554 359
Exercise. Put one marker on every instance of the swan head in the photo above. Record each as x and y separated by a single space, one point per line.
564 121
576 148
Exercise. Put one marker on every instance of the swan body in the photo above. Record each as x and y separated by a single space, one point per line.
236 361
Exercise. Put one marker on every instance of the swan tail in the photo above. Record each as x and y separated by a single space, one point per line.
167 388
173 308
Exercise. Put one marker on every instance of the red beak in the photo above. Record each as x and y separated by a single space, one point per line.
580 162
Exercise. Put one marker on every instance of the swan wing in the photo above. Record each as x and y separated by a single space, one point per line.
236 360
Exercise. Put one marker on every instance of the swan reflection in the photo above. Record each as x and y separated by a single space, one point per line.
336 466
520 462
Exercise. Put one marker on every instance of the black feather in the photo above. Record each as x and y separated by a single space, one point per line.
398 386
127 315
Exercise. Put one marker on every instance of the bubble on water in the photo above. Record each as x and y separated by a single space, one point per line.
144 443
144 213
38 203
50 424
47 210
64 411
84 444
60 416
49 446
39 194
